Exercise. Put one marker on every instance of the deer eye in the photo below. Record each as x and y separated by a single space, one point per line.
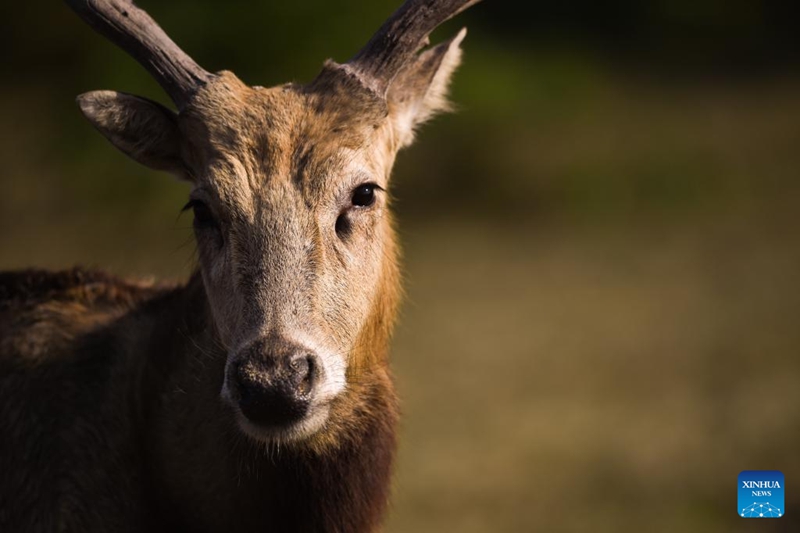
364 195
203 217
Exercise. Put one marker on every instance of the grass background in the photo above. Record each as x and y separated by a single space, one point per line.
602 248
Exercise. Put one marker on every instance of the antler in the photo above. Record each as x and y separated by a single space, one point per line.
400 38
136 33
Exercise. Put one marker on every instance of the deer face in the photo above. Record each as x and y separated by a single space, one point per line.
289 195
292 226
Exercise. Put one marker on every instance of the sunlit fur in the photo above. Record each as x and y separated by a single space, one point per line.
278 168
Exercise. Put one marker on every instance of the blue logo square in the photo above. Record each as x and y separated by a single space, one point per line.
761 494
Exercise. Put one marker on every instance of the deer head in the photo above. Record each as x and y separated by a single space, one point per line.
289 193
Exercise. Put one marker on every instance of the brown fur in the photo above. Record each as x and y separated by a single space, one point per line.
113 422
115 405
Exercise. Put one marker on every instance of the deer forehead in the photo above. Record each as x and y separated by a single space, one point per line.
247 141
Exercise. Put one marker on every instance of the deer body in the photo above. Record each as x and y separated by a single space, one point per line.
256 397
114 423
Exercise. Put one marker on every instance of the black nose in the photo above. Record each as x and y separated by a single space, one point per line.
274 389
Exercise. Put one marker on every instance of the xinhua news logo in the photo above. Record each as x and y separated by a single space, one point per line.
761 494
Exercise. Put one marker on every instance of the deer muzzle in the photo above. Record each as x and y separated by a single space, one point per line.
273 384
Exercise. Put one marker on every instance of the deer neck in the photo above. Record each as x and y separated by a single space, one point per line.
206 473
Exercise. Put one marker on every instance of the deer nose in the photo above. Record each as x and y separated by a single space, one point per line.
275 390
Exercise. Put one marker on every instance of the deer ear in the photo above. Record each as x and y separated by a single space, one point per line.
420 90
144 130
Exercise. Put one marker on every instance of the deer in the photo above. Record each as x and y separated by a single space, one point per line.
257 395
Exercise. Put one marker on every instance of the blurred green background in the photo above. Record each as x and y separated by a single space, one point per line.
602 248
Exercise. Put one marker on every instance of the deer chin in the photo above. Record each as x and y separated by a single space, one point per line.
298 431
